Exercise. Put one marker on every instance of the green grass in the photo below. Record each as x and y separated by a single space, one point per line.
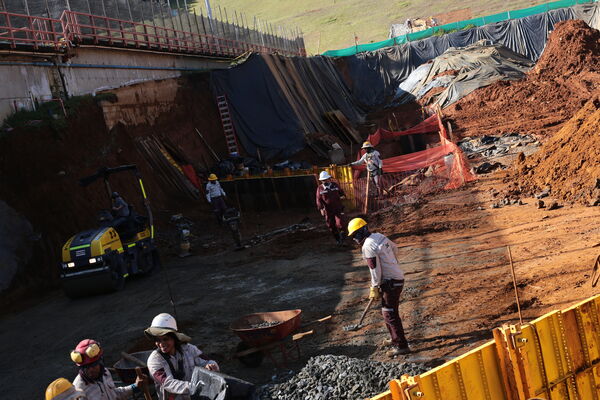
331 24
50 114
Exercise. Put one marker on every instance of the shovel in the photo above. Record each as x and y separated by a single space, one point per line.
362 317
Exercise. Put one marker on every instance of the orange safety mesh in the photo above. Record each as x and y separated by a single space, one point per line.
408 177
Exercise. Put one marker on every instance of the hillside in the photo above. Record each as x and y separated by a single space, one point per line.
336 21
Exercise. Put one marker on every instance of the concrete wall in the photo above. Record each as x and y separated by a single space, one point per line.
30 78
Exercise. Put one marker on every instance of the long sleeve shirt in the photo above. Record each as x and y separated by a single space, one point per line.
167 387
328 197
104 389
380 254
373 161
214 190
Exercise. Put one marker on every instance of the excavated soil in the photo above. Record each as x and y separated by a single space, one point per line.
563 80
568 165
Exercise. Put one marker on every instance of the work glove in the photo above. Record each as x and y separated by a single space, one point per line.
374 293
322 211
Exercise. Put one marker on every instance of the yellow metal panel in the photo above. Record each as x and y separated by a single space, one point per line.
108 240
66 253
383 396
473 376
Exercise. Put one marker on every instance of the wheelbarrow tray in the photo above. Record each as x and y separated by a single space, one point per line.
126 369
287 321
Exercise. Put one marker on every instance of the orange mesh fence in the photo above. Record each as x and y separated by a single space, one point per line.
410 176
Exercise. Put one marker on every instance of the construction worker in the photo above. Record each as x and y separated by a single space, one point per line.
374 163
216 196
120 210
175 363
329 202
172 363
62 389
387 280
94 379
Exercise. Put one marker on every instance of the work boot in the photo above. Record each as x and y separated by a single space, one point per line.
340 239
397 351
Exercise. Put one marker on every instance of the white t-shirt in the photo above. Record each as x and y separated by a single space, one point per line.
384 250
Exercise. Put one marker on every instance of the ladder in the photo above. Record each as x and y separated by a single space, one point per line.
228 129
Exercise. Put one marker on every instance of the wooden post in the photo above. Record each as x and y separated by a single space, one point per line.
512 269
366 208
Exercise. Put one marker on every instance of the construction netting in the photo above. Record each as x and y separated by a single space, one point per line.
455 26
375 76
407 177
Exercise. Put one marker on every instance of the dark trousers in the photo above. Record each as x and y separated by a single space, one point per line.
219 206
390 301
335 221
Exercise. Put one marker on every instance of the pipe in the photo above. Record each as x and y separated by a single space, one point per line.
101 66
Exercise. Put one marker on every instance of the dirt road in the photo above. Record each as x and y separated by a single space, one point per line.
453 250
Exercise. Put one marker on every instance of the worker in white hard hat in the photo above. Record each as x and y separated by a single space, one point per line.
216 196
374 163
172 364
94 379
62 389
329 202
387 280
175 366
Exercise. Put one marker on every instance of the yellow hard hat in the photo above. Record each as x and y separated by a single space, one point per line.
355 225
366 145
63 387
212 177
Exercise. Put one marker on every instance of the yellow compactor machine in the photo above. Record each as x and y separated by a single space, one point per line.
99 260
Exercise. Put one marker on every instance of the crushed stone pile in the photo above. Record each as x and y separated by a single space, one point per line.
567 167
564 78
338 377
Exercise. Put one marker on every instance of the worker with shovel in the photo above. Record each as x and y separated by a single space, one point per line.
374 163
216 197
94 379
387 280
329 203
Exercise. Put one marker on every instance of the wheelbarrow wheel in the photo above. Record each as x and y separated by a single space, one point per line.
250 360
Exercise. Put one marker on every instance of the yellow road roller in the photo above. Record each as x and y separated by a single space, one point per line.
99 260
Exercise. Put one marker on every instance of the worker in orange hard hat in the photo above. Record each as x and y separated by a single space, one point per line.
94 379
374 163
62 389
216 197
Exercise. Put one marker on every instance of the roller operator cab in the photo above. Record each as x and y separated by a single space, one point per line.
99 260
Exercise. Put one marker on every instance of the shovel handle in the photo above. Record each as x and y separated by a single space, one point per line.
362 317
140 374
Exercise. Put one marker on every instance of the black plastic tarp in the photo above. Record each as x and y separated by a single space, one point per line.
262 117
377 75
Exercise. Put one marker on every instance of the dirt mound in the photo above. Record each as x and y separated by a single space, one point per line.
564 78
569 164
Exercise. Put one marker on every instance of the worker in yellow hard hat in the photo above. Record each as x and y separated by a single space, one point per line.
374 163
387 280
216 197
62 389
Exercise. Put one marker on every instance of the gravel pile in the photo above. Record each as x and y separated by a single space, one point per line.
266 324
338 377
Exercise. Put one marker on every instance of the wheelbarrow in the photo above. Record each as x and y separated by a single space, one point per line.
262 332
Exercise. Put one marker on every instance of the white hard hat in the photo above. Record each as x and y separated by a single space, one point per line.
324 175
165 323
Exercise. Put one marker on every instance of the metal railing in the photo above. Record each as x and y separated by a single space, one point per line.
18 30
77 28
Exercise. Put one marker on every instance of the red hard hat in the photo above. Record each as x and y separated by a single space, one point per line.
87 352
